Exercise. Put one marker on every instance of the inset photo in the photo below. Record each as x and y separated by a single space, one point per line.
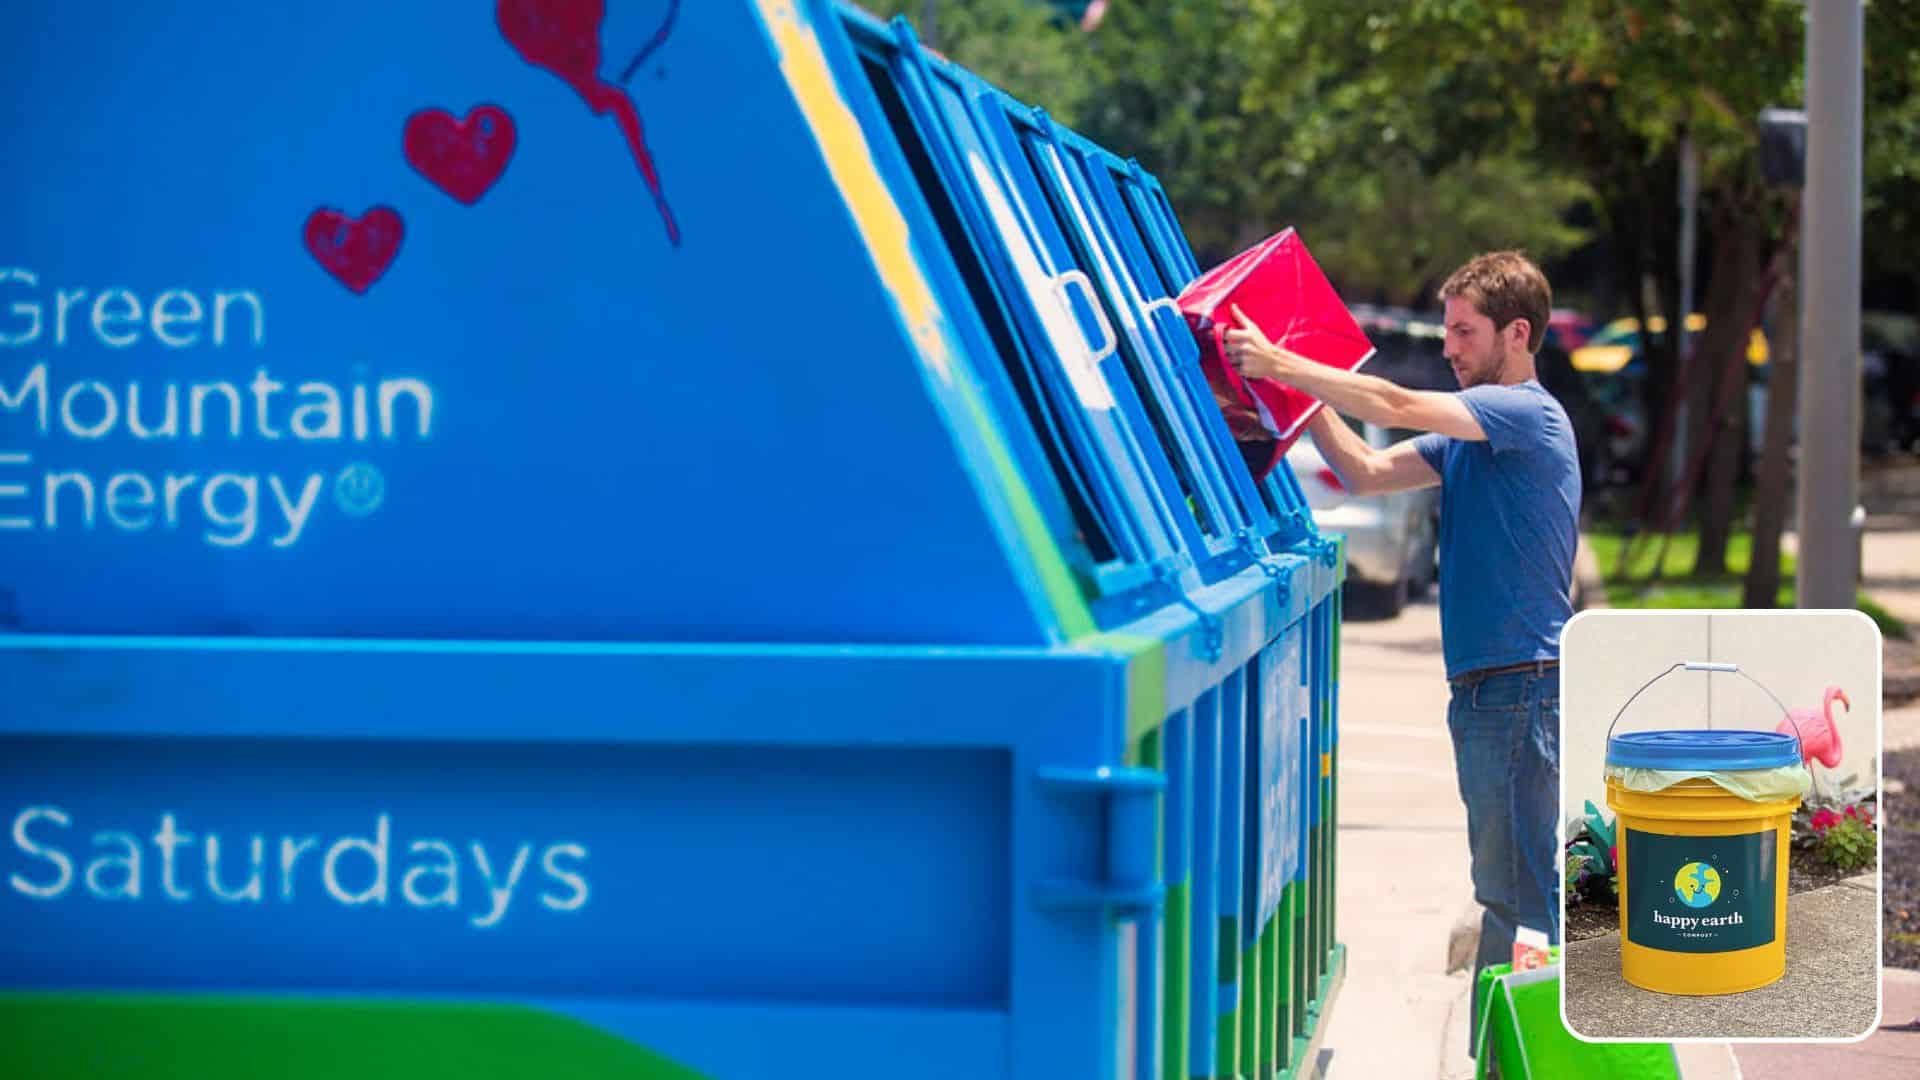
1720 794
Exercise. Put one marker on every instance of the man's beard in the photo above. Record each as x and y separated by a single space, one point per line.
1482 374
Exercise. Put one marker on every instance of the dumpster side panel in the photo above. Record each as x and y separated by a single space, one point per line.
350 318
466 868
743 860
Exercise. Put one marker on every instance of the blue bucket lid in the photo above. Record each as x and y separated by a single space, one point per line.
1697 749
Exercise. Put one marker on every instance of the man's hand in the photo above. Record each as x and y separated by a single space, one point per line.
1249 351
1364 396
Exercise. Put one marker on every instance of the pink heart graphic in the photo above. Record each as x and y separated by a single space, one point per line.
355 251
463 157
563 36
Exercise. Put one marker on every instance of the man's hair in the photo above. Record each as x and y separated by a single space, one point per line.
1504 286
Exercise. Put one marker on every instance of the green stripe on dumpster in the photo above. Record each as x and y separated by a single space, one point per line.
61 1036
1063 593
1227 1056
1176 962
1337 616
1326 841
1333 777
1301 994
1146 676
1333 854
1251 1011
1272 1002
1178 1040
1287 970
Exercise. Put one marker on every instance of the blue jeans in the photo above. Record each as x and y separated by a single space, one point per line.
1506 754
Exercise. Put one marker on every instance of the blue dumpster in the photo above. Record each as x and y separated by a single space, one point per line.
649 540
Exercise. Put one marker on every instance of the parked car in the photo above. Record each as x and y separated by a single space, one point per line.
1392 540
1570 329
1611 373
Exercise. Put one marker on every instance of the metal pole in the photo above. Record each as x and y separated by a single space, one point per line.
1830 330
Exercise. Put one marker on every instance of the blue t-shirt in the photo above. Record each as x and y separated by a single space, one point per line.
1509 524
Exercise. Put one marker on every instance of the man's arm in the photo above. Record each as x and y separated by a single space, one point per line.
1364 470
1363 396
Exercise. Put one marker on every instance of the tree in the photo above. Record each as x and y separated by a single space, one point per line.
1891 221
1174 80
1027 48
1256 114
1890 245
1609 90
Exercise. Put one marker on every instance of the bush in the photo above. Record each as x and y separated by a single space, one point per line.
1844 838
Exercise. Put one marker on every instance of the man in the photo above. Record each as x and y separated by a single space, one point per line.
1502 451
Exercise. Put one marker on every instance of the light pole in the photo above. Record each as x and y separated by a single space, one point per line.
1830 330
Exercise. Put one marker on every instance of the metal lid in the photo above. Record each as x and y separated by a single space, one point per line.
1699 749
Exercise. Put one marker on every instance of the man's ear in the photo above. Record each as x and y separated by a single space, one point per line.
1521 329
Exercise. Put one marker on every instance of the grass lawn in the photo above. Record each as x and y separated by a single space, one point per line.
1637 586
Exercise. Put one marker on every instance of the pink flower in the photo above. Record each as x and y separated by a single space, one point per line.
1825 819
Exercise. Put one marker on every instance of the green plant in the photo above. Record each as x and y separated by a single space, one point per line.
1592 863
1848 845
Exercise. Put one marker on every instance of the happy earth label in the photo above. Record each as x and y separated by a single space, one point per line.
1701 894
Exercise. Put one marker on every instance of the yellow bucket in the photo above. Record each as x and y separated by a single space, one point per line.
1702 871
1703 910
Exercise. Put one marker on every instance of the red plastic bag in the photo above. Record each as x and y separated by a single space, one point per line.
1282 290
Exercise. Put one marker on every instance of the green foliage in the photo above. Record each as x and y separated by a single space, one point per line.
1177 86
1840 831
1022 46
1592 875
1402 137
1890 230
1258 114
1848 845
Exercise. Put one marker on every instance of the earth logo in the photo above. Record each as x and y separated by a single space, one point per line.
1697 884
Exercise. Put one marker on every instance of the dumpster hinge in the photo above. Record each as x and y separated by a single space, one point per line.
1326 549
1212 632
1250 543
1131 888
1295 527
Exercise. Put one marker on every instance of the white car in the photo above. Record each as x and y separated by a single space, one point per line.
1392 540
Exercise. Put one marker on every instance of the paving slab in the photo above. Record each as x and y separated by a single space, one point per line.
1892 1052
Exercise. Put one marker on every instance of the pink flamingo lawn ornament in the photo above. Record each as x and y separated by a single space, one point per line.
1819 739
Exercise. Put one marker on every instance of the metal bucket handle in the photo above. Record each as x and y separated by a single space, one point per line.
1710 666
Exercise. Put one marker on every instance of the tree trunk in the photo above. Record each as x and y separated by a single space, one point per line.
1656 250
1733 303
1770 489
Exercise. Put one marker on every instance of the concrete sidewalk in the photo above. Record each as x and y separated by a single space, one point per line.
1828 991
1890 573
1403 857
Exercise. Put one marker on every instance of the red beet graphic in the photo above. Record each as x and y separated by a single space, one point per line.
563 36
464 157
355 251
